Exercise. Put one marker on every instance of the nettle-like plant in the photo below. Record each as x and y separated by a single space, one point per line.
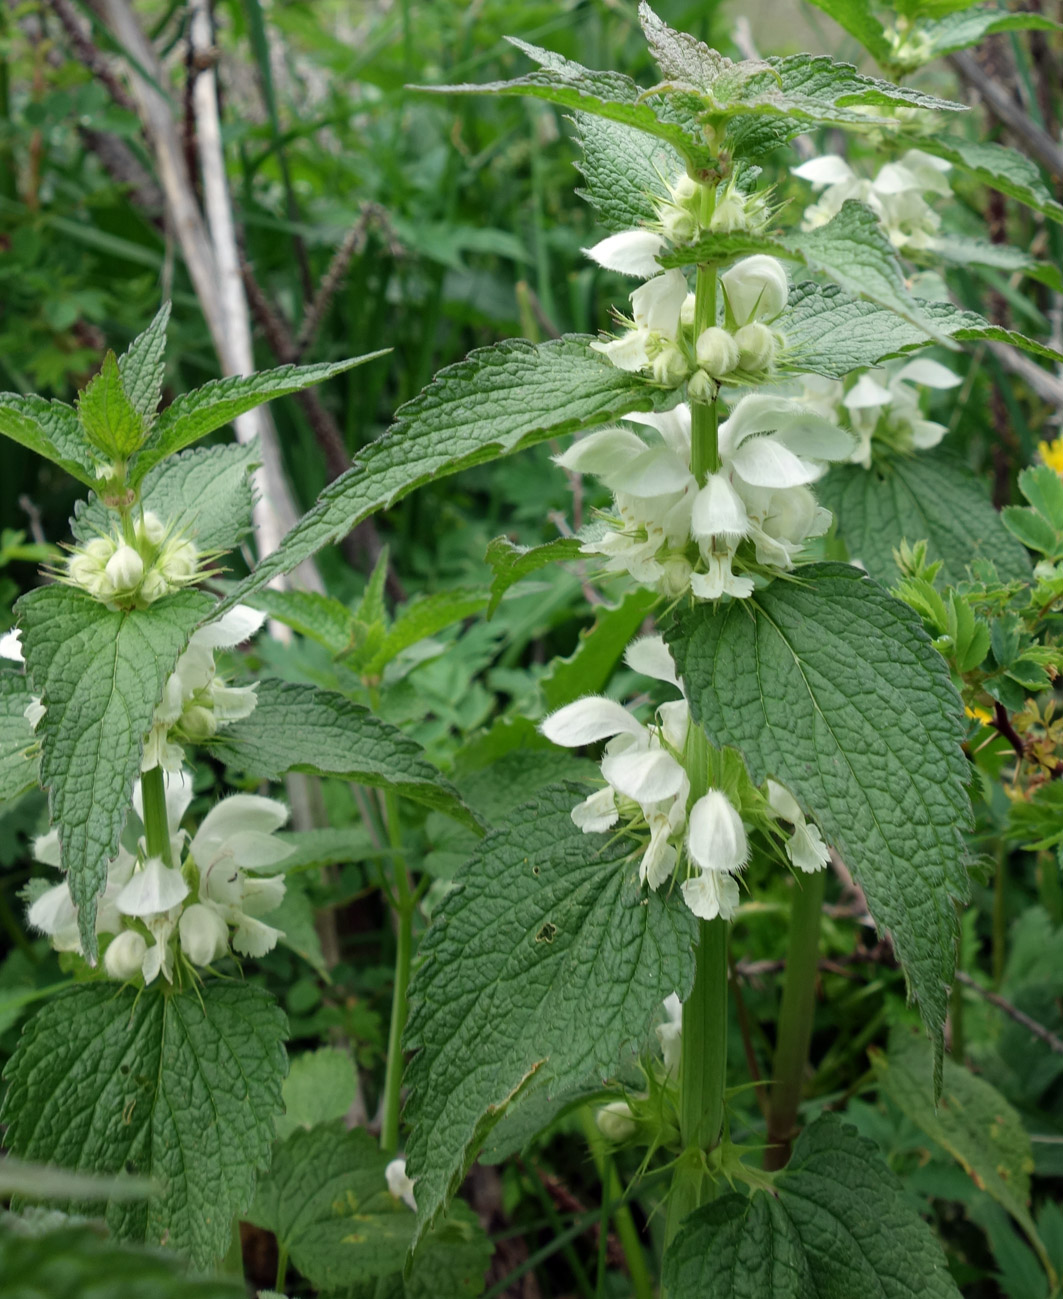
802 711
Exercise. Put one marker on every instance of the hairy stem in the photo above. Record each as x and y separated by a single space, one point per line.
405 904
795 1017
704 441
612 1193
156 824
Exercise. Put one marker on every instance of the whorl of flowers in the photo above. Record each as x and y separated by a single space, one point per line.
137 573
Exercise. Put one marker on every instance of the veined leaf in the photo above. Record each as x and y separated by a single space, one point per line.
204 494
937 37
1000 168
320 1087
542 964
959 250
836 1223
195 1079
623 168
19 758
601 646
298 728
420 618
510 563
868 740
51 429
100 673
110 420
322 618
857 17
498 400
933 497
203 410
143 368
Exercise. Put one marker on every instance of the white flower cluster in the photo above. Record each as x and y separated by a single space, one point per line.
116 572
400 1184
647 789
895 195
882 406
754 513
11 648
152 910
195 701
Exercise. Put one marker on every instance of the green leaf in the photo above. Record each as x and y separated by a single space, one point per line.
541 965
143 368
935 39
322 618
110 420
869 741
179 1087
858 19
422 617
931 497
321 1086
299 728
77 1261
19 759
203 410
203 494
46 1182
510 563
450 1263
836 1224
51 429
1000 168
958 250
498 400
100 673
623 169
1043 488
1029 528
972 1121
601 646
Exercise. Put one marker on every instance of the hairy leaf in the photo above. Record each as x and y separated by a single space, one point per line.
498 400
543 963
322 618
203 410
19 759
832 687
179 1087
204 494
960 30
510 563
100 673
143 368
933 497
623 168
110 420
836 1224
450 1263
298 728
51 429
320 1087
422 617
1000 168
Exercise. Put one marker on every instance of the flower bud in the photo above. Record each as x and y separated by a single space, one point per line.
688 310
702 387
124 569
178 562
615 1121
716 351
756 288
717 838
755 344
669 366
86 565
204 934
125 955
675 576
198 723
151 529
154 587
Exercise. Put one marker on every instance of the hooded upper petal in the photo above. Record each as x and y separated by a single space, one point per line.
630 252
589 719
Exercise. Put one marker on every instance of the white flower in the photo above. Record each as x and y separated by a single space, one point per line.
716 837
716 351
10 646
771 441
158 959
154 888
54 914
886 402
656 307
204 934
805 847
615 1121
125 954
251 937
124 570
400 1187
756 289
631 252
711 894
670 1034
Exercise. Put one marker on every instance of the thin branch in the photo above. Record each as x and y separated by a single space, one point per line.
88 55
1009 113
1002 724
1037 1030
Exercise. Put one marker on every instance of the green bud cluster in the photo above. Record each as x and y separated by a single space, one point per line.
136 571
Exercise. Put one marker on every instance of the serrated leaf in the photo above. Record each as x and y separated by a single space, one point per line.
858 19
498 400
510 563
590 665
450 1263
623 168
1030 528
970 635
1043 488
19 757
76 1260
1002 169
720 249
299 728
100 673
179 1087
971 1120
322 618
327 846
959 250
837 1223
936 38
422 617
203 410
320 1087
543 963
869 739
680 56
829 333
931 497
143 368
51 429
203 494
110 420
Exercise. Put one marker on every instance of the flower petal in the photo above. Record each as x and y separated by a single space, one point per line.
657 303
631 252
718 511
711 894
647 776
931 374
598 813
673 426
826 170
716 838
657 472
153 889
602 453
589 719
764 462
652 657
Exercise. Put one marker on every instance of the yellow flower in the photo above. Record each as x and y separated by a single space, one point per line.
982 715
1051 454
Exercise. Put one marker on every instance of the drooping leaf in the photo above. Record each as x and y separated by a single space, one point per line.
623 168
868 739
1002 169
204 494
100 673
931 497
498 400
182 1088
51 429
958 31
142 367
203 410
320 1087
76 1260
510 563
298 728
110 420
836 1224
19 757
542 964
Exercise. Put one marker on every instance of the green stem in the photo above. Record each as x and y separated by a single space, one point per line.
795 1017
405 906
156 825
626 1230
282 1268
